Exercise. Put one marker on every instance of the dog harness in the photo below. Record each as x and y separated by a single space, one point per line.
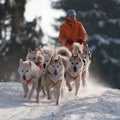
39 65
73 77
55 83
29 80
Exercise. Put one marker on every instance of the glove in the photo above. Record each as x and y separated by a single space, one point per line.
69 42
80 41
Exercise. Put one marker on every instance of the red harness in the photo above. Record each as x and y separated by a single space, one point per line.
29 80
39 65
55 83
73 77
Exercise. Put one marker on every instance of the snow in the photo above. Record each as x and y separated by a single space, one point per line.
93 103
96 102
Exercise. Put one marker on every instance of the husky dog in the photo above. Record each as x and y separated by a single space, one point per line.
86 57
47 52
29 73
65 55
77 47
37 57
54 76
74 72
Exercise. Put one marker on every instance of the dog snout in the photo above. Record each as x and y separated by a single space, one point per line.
75 68
55 72
44 65
84 61
24 77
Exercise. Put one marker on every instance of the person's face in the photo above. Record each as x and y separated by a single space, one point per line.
71 18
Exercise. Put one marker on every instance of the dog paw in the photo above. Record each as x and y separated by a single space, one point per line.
37 101
57 104
49 98
25 96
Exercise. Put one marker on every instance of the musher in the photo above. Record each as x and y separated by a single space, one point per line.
72 30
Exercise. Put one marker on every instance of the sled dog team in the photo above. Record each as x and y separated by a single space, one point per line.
49 70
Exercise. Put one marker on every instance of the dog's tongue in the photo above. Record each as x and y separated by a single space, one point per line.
55 72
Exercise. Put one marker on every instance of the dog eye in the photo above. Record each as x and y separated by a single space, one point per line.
77 63
72 63
33 58
26 70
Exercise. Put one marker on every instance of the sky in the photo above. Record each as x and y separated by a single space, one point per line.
92 103
37 8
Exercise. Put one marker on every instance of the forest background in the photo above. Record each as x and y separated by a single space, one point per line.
101 18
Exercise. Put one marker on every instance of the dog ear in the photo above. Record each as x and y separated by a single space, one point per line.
21 61
90 54
55 53
29 50
38 50
30 63
51 60
79 55
42 52
59 59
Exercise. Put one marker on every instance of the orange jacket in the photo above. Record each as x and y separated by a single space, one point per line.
72 32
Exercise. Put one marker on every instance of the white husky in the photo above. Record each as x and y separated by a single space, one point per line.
86 57
74 72
35 56
54 76
29 74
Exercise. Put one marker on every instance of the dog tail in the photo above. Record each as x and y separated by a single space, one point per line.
77 47
65 62
47 50
63 51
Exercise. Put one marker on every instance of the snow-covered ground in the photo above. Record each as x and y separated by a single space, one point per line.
93 103
96 102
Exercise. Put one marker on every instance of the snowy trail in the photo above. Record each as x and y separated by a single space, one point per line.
92 103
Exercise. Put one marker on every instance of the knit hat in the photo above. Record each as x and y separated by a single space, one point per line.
71 12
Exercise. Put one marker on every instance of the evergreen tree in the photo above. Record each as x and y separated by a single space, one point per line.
102 22
16 36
